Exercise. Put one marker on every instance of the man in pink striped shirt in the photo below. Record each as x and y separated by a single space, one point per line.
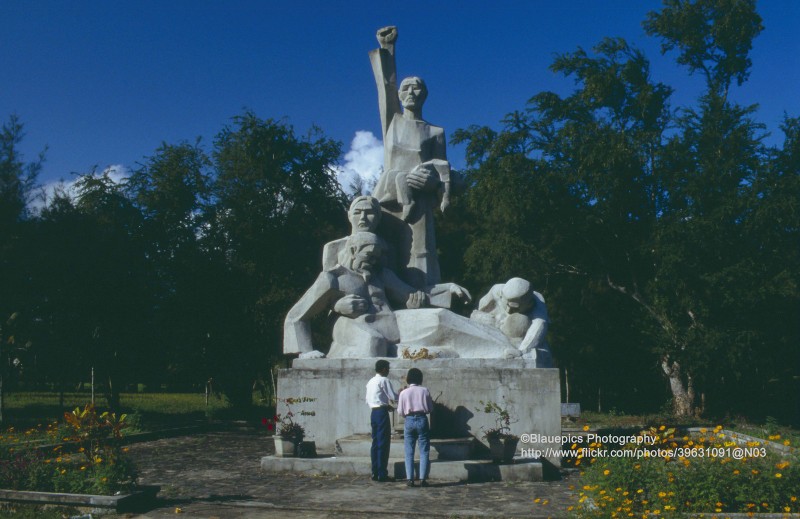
415 403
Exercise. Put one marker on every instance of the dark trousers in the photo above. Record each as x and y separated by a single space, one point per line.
381 441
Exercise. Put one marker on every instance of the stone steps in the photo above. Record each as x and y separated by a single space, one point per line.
359 445
441 470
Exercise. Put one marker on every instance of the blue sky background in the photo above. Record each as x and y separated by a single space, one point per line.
105 82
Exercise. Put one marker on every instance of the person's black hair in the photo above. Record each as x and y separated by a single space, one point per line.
381 365
414 376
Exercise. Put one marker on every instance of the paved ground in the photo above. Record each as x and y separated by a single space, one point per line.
217 475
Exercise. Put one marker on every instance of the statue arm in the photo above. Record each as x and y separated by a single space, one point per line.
384 69
535 336
401 294
489 301
297 326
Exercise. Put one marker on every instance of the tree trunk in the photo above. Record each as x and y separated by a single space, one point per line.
681 386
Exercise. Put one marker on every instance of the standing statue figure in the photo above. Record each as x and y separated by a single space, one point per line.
416 174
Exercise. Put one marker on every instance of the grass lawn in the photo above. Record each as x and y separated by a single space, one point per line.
148 411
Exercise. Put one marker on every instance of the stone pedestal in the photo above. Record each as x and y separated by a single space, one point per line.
531 394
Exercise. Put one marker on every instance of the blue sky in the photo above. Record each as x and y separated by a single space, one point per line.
105 82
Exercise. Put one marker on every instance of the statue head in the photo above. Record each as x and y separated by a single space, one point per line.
364 214
363 252
412 93
517 296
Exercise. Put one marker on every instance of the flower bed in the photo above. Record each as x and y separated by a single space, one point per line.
670 475
90 460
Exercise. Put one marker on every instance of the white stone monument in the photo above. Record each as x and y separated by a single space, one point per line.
382 287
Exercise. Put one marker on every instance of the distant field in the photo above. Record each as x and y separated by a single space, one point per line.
32 408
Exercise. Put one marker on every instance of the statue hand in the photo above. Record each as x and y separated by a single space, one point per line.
351 306
387 36
460 292
422 178
416 300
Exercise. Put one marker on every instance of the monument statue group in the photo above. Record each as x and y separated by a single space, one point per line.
382 288
382 284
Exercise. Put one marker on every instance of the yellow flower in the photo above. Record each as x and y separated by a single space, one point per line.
570 508
718 503
778 475
639 491
661 428
793 499
178 511
736 472
606 472
83 467
718 509
585 427
754 472
537 499
787 442
544 503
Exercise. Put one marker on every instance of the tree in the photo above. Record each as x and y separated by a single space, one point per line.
651 209
17 178
276 202
172 189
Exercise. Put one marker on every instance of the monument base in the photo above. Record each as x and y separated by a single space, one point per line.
458 386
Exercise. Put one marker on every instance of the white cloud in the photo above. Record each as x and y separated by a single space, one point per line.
363 164
116 172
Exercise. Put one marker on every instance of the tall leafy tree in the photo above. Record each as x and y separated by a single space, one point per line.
649 204
172 189
276 202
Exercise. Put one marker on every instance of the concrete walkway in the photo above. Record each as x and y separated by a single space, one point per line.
217 475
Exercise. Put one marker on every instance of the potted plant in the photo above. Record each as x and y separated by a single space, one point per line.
502 442
288 433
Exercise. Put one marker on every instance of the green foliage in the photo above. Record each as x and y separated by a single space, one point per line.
503 420
17 179
646 227
714 37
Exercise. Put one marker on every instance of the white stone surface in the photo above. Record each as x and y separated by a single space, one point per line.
532 394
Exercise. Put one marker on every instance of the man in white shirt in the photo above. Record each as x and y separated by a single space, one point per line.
380 395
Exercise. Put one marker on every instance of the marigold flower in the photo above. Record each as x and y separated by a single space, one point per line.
585 427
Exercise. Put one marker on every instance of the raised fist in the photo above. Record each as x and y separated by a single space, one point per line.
387 36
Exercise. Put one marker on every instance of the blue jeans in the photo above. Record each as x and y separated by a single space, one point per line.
416 428
381 441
